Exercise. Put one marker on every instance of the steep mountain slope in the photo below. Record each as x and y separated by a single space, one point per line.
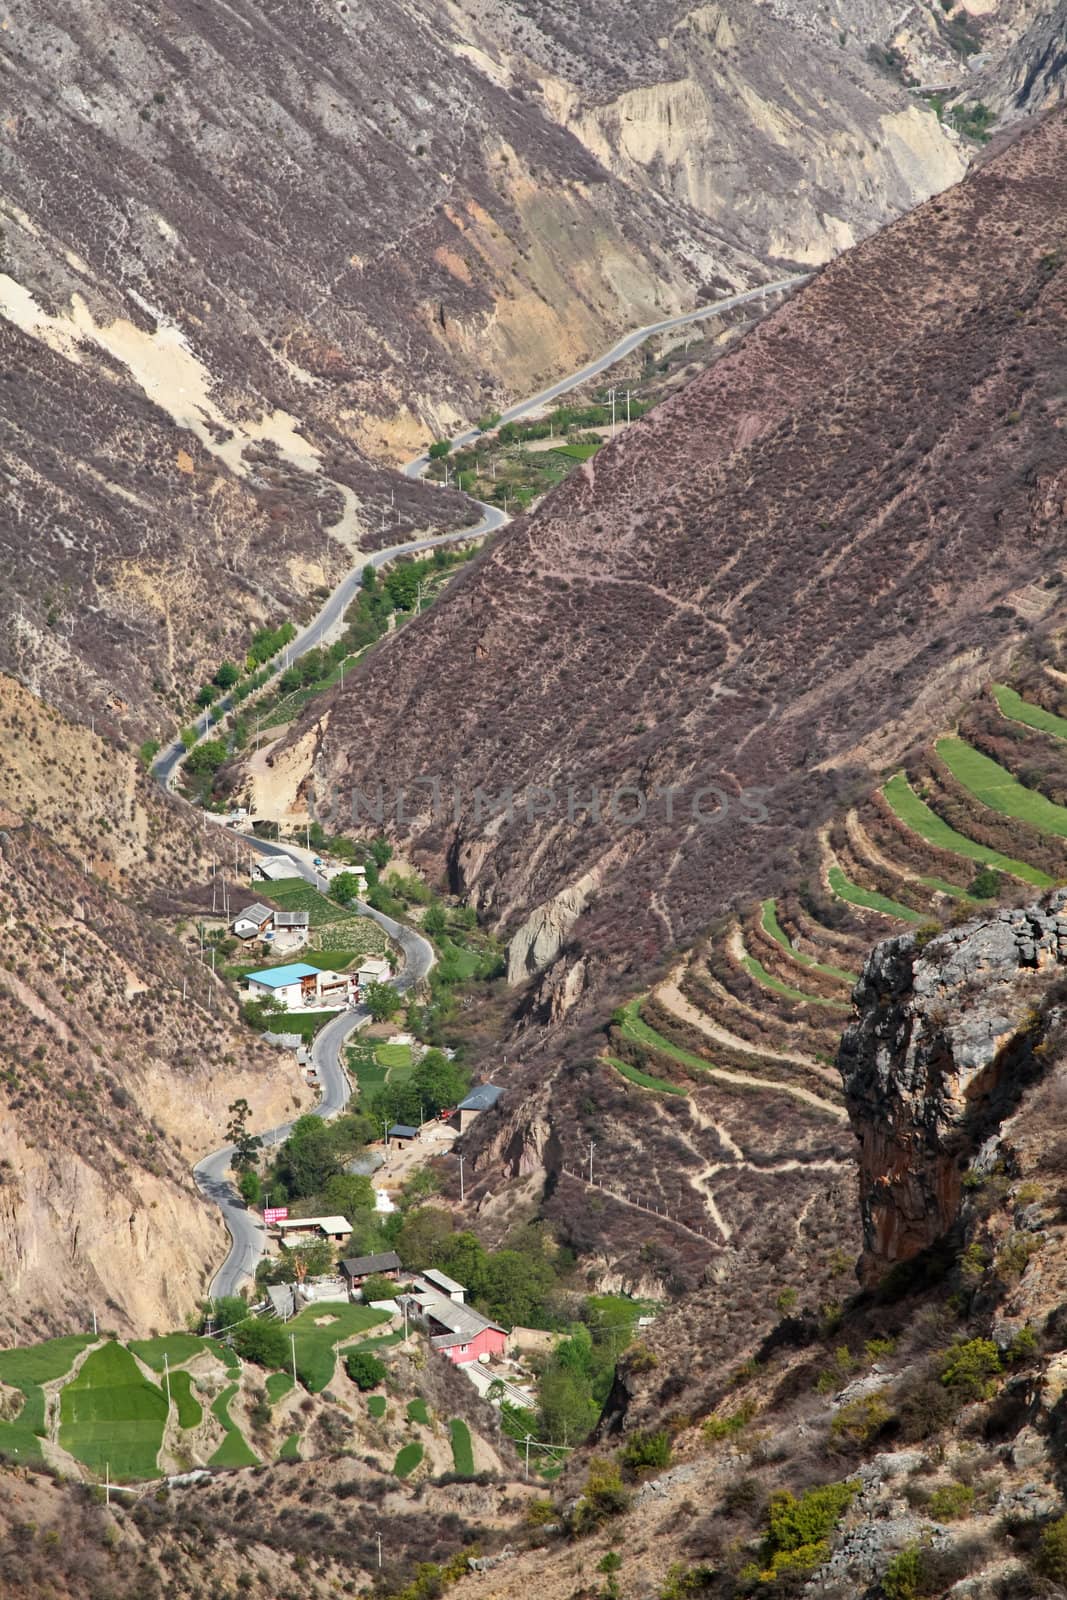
119 1055
777 577
246 251
1032 74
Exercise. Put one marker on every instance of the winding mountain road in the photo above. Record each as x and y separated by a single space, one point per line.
247 1231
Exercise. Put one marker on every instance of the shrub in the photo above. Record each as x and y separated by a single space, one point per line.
902 1579
262 1342
970 1368
841 1366
717 1428
1015 1253
647 1452
439 449
951 1501
1052 1555
862 1419
365 1369
798 1531
604 1496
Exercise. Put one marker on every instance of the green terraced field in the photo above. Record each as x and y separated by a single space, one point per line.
407 1460
757 970
645 1080
918 816
190 1411
234 1450
295 894
996 788
376 1405
278 1386
110 1416
395 1058
229 1358
771 925
462 1448
845 889
1016 709
417 1411
177 1347
316 1346
290 1450
26 1369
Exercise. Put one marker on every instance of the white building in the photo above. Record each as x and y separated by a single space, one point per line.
300 987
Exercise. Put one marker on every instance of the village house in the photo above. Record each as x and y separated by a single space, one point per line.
356 1270
292 926
445 1285
458 1331
401 1133
253 922
372 969
297 986
275 868
480 1099
298 1230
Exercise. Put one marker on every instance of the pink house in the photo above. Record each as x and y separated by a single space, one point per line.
461 1333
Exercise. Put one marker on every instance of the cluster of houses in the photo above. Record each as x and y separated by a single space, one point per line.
258 921
436 1302
298 986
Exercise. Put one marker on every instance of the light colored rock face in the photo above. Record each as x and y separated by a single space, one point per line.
941 1050
542 936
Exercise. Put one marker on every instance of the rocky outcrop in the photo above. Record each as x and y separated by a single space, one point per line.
944 1045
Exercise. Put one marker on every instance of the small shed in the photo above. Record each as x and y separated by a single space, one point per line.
480 1099
295 1229
402 1133
445 1285
292 921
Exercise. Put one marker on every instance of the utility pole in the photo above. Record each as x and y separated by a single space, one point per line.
166 1379
612 398
592 1147
527 1455
292 1341
94 1322
462 1194
627 407
405 1320
379 1537
107 1483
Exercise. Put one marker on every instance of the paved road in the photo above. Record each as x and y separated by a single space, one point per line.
245 1227
416 468
247 1232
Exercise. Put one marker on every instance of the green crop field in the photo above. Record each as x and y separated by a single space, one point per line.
757 970
407 1459
395 1058
290 1450
870 898
918 816
1016 709
190 1411
462 1449
644 1080
234 1450
306 1024
26 1369
316 1346
278 1386
771 925
376 1405
579 451
295 894
229 1358
177 1347
417 1411
110 1416
996 788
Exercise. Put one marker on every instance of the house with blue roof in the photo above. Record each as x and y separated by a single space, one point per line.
298 986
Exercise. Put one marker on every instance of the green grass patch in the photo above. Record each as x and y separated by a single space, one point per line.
996 788
190 1411
395 1058
1016 709
278 1386
306 1023
316 1347
644 1080
407 1459
229 1358
579 451
417 1411
177 1347
290 1450
26 1369
234 1450
870 899
296 894
376 1406
758 971
918 816
110 1416
771 925
462 1448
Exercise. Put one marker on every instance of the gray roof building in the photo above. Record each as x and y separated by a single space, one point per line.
481 1098
292 919
367 1266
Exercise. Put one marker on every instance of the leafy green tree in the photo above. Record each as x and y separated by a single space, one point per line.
246 1145
207 757
402 586
265 1343
566 1406
381 850
292 678
382 1001
250 1188
438 1082
378 1288
348 1192
344 887
986 884
365 1369
227 675
423 1236
369 579
970 1367
434 921
205 695
466 1259
308 1158
516 1286
439 449
227 1311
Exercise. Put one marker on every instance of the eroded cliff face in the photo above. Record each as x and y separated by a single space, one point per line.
945 1044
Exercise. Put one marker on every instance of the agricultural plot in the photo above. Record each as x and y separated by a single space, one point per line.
644 1080
177 1347
234 1450
27 1369
376 1406
290 1450
1016 709
996 788
320 1330
374 1065
758 971
112 1417
417 1411
770 924
190 1411
295 894
462 1448
870 899
278 1386
915 814
407 1459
